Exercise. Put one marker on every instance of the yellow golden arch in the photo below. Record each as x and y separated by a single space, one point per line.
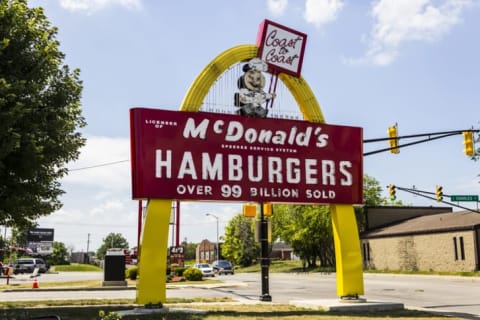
151 287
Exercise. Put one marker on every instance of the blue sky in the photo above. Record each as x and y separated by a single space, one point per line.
370 64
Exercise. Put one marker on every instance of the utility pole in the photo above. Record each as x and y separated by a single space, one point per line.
88 247
88 242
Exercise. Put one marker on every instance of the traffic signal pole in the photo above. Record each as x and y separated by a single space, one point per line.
431 136
264 256
424 194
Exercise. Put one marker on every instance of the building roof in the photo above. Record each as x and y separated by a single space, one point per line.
437 223
380 216
281 246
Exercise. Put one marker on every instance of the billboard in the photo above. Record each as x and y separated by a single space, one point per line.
40 234
210 156
40 241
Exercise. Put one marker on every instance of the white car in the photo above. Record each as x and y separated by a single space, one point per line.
207 270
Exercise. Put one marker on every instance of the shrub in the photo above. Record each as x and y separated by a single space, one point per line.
192 274
179 271
131 273
109 316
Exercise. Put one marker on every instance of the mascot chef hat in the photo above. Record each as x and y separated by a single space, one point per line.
256 64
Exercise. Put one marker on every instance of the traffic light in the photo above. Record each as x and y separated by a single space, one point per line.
249 210
267 209
469 149
393 134
439 193
392 192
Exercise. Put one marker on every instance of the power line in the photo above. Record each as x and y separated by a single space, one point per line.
99 165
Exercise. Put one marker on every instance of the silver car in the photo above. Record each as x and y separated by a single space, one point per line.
28 265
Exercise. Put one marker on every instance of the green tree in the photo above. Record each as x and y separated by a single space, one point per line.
59 255
308 230
4 247
372 196
112 240
372 192
239 244
190 250
19 235
476 156
40 114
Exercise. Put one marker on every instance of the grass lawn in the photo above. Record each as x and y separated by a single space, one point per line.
75 267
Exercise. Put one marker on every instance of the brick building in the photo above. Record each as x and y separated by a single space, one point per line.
206 252
421 239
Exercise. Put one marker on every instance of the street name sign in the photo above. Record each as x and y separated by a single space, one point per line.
464 198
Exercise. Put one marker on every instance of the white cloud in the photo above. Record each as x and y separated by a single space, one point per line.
75 222
397 22
90 6
103 162
321 12
277 7
108 206
98 201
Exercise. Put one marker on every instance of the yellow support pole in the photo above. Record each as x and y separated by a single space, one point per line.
347 251
152 281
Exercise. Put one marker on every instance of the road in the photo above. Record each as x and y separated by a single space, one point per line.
457 296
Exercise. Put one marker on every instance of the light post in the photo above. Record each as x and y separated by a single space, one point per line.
217 244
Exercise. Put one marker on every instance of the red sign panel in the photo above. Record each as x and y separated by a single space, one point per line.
211 156
281 48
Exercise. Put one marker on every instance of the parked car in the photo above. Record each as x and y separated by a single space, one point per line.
206 269
28 265
223 267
